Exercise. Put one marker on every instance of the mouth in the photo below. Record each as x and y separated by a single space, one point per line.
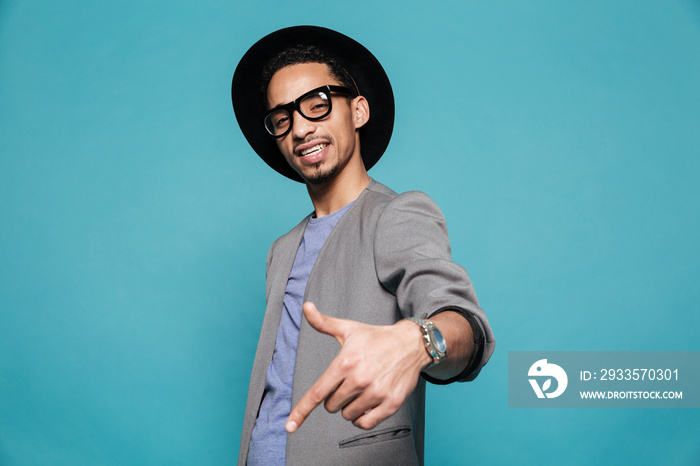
313 150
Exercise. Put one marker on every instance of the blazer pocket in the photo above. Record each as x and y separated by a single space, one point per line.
376 436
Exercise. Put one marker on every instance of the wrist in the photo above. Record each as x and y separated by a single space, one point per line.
432 340
414 338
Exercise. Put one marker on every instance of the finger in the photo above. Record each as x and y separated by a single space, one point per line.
337 401
359 406
323 387
352 387
371 418
372 407
356 383
323 323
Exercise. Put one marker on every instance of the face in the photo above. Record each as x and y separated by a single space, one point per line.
318 150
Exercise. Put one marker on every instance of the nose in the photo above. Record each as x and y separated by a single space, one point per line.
301 127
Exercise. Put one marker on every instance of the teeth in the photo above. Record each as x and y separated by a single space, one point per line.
313 149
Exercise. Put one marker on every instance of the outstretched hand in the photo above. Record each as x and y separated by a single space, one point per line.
377 368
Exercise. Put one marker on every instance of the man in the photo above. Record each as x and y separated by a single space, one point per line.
348 289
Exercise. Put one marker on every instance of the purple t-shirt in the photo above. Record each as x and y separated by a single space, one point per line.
269 442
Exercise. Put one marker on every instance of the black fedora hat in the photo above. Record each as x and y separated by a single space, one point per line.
371 79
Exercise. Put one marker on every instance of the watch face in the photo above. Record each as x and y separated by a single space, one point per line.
438 339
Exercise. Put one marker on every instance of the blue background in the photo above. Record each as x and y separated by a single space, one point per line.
560 139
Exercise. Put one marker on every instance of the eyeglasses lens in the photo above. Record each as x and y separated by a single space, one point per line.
312 107
277 122
315 106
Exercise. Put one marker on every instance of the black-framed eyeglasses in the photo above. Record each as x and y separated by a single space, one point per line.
313 105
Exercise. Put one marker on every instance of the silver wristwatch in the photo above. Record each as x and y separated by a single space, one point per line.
432 339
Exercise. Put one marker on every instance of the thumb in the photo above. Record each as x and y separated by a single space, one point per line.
323 323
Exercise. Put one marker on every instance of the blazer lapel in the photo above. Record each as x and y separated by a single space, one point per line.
283 254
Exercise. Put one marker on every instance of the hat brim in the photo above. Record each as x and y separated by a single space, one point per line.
365 69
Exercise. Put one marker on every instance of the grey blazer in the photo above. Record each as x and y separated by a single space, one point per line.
388 258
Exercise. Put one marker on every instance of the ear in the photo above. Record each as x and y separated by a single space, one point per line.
361 111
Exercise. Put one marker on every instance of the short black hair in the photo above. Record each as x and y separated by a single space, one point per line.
305 54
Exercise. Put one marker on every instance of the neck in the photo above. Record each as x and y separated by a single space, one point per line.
339 191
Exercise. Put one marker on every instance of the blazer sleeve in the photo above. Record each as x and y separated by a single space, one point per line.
413 261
